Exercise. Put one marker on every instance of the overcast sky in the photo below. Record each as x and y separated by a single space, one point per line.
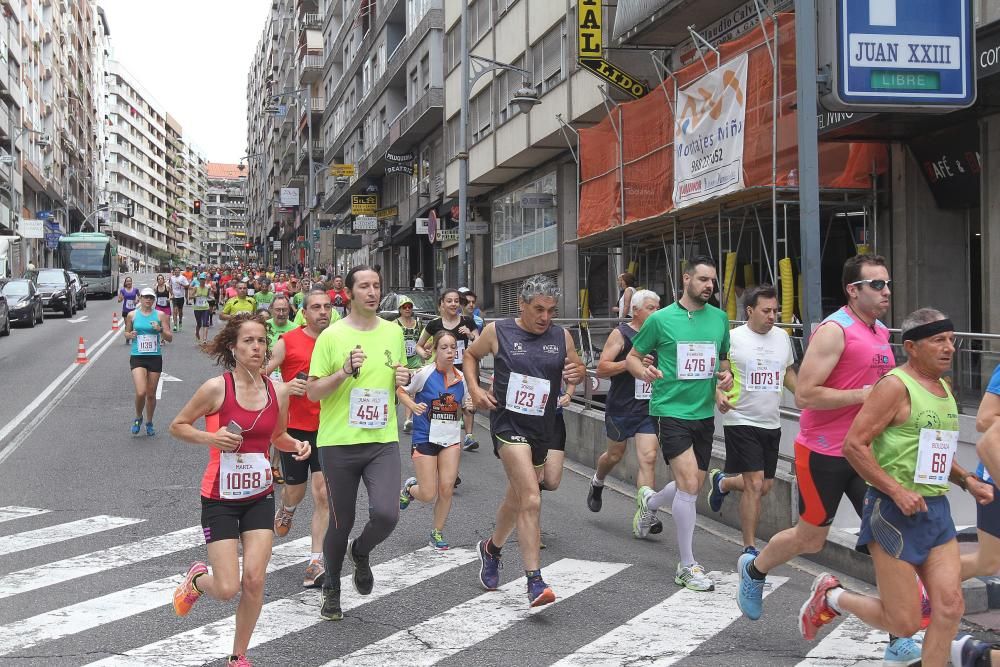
193 56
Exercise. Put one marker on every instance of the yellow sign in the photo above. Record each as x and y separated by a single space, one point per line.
384 213
342 170
364 204
590 53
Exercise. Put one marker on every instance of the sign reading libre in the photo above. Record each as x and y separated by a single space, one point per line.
590 37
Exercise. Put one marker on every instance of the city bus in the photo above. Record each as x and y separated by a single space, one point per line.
94 257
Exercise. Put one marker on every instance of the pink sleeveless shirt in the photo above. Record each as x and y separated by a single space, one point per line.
866 358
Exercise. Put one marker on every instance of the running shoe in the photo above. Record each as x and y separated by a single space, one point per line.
715 493
175 328
816 611
150 431
489 568
752 551
693 577
437 540
642 519
186 594
594 500
283 521
925 607
238 661
404 494
967 651
750 594
331 610
136 425
470 444
315 573
539 592
408 426
363 578
902 652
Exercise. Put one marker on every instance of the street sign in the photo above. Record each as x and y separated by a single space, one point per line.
52 241
898 55
477 227
342 170
277 244
364 204
432 226
447 235
315 235
43 215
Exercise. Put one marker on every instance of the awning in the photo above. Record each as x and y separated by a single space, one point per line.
665 22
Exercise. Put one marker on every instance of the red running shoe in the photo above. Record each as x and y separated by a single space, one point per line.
816 612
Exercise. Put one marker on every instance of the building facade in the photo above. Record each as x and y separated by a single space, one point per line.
225 211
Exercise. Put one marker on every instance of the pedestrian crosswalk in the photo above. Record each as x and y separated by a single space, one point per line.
655 632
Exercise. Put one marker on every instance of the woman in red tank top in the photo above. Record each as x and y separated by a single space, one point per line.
244 413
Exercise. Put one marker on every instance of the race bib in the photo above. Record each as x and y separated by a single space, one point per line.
459 351
201 302
445 432
695 361
411 348
643 390
369 408
934 456
129 304
162 301
251 292
276 375
147 343
243 475
763 375
527 395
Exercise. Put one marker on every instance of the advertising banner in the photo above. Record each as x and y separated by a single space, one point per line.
708 134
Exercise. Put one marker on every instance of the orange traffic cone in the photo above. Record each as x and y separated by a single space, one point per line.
114 322
81 353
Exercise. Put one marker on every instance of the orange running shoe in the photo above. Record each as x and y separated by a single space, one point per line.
283 521
816 612
186 594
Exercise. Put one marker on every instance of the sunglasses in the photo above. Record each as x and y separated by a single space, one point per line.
877 285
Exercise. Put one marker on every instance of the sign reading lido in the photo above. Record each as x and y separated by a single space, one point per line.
590 37
898 55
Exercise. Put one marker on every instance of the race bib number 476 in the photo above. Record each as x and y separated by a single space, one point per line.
695 361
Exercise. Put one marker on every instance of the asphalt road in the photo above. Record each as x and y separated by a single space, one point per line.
105 492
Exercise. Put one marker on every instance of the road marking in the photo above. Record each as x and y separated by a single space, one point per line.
694 618
164 377
82 318
13 512
99 611
41 537
852 643
465 625
293 614
68 569
64 388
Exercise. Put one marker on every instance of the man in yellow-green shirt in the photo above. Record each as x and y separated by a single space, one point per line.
240 303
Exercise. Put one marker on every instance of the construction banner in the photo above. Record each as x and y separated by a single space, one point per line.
708 134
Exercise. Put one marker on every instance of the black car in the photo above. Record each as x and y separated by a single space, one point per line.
24 302
4 317
81 291
57 289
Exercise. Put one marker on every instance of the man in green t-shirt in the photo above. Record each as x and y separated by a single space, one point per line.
357 364
279 322
691 342
240 303
264 296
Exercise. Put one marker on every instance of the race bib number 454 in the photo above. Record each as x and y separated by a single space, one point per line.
369 408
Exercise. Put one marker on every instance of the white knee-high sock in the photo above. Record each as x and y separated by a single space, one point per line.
685 511
663 497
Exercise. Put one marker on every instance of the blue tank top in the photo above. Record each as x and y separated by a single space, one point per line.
129 299
147 340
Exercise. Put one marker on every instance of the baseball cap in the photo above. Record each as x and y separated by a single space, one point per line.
404 300
146 291
203 275
463 290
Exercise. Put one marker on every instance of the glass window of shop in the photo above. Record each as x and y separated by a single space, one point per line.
520 233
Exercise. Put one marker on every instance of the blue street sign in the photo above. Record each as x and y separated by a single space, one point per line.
43 215
899 55
52 241
52 226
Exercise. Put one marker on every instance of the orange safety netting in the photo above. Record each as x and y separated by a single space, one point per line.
647 128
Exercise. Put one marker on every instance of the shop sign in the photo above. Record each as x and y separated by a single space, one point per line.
477 227
342 170
420 226
590 37
31 229
364 223
364 204
447 235
385 213
538 200
988 52
951 164
289 197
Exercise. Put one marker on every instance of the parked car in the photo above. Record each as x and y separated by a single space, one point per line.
23 301
4 317
81 291
424 304
57 289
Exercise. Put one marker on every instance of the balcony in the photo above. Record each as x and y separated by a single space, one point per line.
311 22
310 68
423 117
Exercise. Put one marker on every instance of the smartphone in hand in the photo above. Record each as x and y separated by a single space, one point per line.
234 428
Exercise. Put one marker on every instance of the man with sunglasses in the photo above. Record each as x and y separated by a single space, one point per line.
847 354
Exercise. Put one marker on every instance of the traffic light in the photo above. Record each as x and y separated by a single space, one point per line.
247 246
197 206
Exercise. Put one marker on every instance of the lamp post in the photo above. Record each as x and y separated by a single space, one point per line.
474 67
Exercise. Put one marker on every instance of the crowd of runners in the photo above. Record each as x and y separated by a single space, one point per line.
317 385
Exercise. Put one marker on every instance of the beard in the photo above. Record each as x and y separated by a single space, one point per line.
697 296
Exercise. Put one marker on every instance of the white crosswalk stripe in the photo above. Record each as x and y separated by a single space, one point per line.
13 512
42 537
292 614
695 617
34 578
472 622
851 644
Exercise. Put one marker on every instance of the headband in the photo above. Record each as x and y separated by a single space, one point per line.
928 330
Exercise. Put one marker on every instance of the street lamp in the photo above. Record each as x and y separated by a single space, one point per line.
474 67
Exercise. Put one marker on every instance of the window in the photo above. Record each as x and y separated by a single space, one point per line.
506 84
415 11
481 115
547 57
451 138
520 233
479 20
501 6
414 86
453 44
425 71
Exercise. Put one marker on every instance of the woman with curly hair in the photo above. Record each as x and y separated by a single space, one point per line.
244 412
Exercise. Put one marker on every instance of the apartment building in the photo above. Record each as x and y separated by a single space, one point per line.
225 208
259 162
11 95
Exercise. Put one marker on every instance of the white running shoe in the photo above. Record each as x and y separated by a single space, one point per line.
693 577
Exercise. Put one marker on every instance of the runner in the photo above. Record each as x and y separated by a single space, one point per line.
241 303
412 330
162 292
468 301
201 291
128 296
847 355
146 328
532 357
465 331
903 443
178 289
339 296
761 359
264 296
356 367
279 323
626 412
244 412
691 341
435 396
292 353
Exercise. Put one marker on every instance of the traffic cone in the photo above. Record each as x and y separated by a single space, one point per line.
81 353
114 322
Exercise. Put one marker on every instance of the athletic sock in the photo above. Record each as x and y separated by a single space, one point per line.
685 512
194 583
754 572
289 508
833 599
318 557
597 482
531 574
663 497
492 549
